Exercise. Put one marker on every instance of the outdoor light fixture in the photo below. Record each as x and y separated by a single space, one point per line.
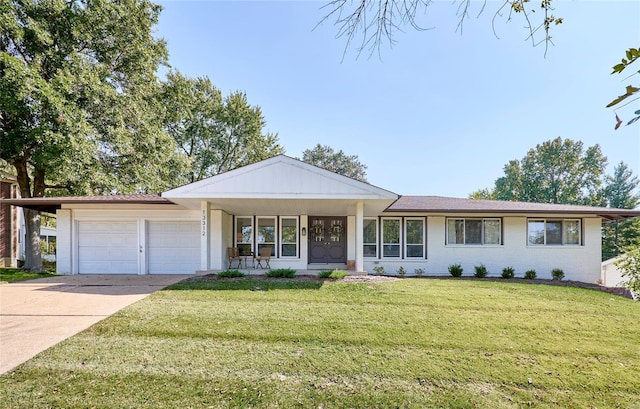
304 231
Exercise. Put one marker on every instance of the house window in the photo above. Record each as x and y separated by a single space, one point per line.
391 237
289 237
554 232
244 234
370 238
414 242
474 231
266 234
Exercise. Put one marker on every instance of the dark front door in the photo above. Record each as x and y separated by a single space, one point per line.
327 239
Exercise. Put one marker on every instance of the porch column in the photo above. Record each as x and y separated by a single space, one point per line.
205 235
359 237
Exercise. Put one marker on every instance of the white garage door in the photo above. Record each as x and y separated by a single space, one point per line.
107 247
173 247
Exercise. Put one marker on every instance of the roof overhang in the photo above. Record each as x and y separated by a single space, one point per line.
51 204
449 205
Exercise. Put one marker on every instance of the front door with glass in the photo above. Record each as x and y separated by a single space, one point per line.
327 239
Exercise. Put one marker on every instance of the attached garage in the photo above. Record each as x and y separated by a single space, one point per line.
173 247
107 247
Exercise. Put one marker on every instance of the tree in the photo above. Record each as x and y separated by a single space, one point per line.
216 134
378 20
325 157
556 171
620 193
631 56
77 100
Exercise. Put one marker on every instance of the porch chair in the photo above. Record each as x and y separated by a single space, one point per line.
233 254
265 255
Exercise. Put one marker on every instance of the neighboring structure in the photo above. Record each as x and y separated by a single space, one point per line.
11 222
316 219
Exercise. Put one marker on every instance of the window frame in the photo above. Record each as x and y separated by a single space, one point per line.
376 235
281 238
240 244
564 222
483 231
406 243
274 243
384 244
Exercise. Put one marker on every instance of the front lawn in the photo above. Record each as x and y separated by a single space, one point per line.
408 343
10 275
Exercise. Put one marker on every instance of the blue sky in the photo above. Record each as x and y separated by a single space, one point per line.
439 113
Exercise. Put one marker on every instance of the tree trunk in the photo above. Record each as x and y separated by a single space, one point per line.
33 253
32 250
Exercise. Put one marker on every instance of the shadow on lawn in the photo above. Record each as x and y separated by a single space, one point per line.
248 283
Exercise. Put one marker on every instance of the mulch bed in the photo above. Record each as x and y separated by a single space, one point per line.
620 291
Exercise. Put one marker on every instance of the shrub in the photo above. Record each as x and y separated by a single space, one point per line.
379 270
419 272
230 274
455 270
508 272
557 274
401 271
481 271
629 266
281 273
333 274
530 274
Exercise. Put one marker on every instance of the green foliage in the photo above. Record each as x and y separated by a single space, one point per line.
455 270
333 274
401 271
215 133
530 274
379 270
629 265
281 273
325 157
78 107
230 274
419 272
480 271
557 274
508 272
632 55
556 171
620 192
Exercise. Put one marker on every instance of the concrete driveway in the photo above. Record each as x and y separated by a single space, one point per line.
37 314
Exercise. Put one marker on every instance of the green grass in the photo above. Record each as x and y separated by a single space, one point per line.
407 343
10 275
333 274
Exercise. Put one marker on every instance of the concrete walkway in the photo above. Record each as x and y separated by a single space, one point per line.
37 314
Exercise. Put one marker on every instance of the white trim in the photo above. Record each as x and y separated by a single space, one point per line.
424 238
280 239
383 243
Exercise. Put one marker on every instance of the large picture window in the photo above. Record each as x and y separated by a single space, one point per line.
391 237
370 238
289 236
541 232
414 242
474 231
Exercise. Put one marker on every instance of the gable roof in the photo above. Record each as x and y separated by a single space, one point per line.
458 205
279 177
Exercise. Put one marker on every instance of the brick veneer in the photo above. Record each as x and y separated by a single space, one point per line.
8 221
